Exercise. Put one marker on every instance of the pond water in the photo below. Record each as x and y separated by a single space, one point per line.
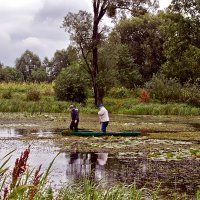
174 175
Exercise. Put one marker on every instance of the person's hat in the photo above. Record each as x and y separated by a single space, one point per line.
100 105
71 106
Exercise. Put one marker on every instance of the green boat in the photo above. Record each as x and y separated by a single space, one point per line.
100 134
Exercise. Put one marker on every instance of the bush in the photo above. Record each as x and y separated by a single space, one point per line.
71 85
7 94
33 95
121 92
164 89
144 96
190 93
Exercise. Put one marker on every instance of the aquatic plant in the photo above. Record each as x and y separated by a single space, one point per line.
47 103
23 184
144 96
86 189
198 195
19 168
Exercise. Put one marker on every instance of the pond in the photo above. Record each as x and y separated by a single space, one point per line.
175 174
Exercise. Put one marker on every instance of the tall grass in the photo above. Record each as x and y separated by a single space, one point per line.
45 88
18 102
85 189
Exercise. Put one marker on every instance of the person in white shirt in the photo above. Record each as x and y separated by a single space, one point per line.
103 117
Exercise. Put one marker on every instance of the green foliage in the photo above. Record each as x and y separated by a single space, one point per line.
124 101
25 87
59 61
87 34
186 7
128 70
164 89
186 67
7 94
33 95
27 62
71 85
9 74
181 47
39 75
121 92
190 93
144 39
170 90
90 191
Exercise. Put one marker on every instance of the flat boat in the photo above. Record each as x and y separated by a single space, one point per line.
101 134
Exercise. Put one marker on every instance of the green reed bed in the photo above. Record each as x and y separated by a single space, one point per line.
160 109
45 106
24 87
50 105
85 189
33 98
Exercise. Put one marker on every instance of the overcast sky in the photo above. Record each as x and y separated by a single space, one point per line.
35 25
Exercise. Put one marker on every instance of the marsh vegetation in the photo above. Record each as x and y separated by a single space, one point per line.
162 163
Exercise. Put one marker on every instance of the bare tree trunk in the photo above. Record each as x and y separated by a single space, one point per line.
95 38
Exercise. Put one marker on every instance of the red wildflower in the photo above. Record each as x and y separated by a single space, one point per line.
20 167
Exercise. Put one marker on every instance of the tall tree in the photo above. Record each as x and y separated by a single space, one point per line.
144 39
46 65
73 54
182 42
9 74
27 63
58 62
190 8
86 32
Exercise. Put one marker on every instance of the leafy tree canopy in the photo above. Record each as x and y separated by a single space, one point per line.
27 62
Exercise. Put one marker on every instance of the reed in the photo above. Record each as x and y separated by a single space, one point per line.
14 99
23 184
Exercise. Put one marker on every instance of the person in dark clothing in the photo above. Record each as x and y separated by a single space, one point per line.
74 118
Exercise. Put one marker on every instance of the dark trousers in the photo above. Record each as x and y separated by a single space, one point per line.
74 126
104 126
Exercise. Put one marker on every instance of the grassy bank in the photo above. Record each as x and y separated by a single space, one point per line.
16 97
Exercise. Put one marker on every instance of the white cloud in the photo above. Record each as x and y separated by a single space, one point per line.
164 3
35 25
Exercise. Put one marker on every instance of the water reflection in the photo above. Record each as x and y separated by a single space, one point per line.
91 165
9 132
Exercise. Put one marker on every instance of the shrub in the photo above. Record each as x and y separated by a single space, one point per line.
71 85
164 89
33 95
190 93
120 92
7 94
144 96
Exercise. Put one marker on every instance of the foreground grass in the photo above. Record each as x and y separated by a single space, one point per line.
14 99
